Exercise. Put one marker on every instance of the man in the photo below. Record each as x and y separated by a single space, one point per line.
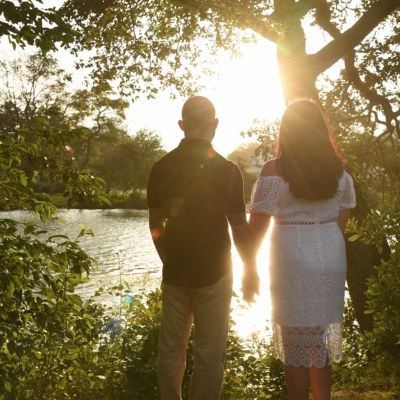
192 194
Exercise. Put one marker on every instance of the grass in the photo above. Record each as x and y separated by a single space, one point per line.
136 200
358 394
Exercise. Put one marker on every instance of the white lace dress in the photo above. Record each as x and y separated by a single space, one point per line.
307 270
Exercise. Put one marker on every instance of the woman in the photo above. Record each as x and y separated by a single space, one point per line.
309 195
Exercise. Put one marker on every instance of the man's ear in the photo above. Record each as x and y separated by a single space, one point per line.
180 123
215 123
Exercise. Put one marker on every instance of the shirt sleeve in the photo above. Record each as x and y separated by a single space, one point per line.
264 195
348 199
154 184
236 203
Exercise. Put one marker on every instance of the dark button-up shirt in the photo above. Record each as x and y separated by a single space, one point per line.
196 188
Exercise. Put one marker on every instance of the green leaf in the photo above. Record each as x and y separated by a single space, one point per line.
29 229
75 299
22 179
71 356
10 288
7 386
354 237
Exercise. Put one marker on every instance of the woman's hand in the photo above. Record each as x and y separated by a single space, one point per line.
250 284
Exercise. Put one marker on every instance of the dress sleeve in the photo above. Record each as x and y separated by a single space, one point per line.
264 195
348 199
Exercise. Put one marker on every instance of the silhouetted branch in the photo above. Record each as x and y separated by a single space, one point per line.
323 19
348 40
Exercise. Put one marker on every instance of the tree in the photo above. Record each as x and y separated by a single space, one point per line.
33 82
150 150
103 114
152 44
24 22
126 164
244 151
240 156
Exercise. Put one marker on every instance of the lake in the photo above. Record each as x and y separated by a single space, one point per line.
123 247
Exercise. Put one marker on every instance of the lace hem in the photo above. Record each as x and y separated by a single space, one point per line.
308 346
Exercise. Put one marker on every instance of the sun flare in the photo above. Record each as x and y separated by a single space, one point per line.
242 90
255 319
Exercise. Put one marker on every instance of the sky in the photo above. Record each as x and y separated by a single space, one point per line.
248 88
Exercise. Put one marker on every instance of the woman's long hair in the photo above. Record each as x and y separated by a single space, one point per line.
308 157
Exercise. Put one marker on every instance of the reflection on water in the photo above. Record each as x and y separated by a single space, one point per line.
123 247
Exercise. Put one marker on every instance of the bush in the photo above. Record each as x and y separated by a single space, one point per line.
135 200
43 197
57 347
380 348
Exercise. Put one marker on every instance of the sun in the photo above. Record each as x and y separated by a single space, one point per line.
256 318
242 90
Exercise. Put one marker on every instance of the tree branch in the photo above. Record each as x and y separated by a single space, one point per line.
323 20
369 94
265 32
304 6
351 38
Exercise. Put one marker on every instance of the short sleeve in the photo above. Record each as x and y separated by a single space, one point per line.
154 184
348 198
236 203
265 195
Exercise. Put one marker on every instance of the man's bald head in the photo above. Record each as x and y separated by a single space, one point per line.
198 118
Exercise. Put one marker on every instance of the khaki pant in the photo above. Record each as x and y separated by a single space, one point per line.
210 309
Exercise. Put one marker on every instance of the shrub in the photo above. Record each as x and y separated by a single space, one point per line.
43 197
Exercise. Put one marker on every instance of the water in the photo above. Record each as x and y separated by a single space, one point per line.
123 247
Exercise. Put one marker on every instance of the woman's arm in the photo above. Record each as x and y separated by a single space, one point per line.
344 216
259 224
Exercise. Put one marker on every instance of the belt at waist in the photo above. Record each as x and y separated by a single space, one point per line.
327 221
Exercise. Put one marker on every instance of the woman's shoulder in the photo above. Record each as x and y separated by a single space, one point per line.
346 177
269 169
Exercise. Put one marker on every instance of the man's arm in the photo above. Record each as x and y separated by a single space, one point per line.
244 242
157 230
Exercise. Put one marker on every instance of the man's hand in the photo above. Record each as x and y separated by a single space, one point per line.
250 284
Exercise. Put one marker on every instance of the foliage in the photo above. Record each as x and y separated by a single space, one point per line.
97 140
249 178
42 321
135 200
243 151
23 145
265 132
381 346
240 156
126 164
24 22
148 46
65 348
151 45
43 324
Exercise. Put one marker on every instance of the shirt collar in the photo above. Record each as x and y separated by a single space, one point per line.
190 143
197 148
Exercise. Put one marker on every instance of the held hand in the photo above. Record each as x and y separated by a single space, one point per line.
250 285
